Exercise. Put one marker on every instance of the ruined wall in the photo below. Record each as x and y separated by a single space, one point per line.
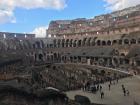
119 22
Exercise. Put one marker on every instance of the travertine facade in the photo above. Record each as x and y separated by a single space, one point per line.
109 40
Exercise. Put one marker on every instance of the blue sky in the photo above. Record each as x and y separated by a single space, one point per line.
26 19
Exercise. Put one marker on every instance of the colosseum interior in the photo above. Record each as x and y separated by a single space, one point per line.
73 52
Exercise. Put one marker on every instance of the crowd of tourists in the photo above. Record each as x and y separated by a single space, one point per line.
96 86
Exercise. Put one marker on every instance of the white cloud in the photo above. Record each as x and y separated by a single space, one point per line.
7 7
120 4
40 32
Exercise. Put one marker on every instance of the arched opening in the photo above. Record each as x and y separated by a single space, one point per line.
79 43
67 43
114 42
126 41
98 42
63 58
84 41
120 42
41 57
70 44
103 43
47 45
133 41
63 42
74 43
59 43
122 54
88 42
109 43
55 57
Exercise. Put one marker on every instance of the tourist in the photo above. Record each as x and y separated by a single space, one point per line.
102 95
117 79
97 87
110 80
127 92
124 91
122 87
109 86
100 87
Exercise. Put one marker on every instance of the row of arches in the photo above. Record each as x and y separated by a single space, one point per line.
14 44
91 42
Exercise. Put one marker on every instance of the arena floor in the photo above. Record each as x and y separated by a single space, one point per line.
115 96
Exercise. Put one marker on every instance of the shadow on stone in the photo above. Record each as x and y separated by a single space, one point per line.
82 100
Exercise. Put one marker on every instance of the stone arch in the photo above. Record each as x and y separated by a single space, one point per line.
59 43
133 41
120 42
88 41
122 54
74 43
47 45
115 61
98 43
109 43
70 44
104 43
63 42
126 41
55 57
84 41
59 57
114 42
67 43
79 43
40 57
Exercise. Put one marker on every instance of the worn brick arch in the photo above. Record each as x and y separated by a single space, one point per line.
67 42
63 42
88 41
103 43
79 43
109 43
84 41
98 42
71 43
75 43
114 42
